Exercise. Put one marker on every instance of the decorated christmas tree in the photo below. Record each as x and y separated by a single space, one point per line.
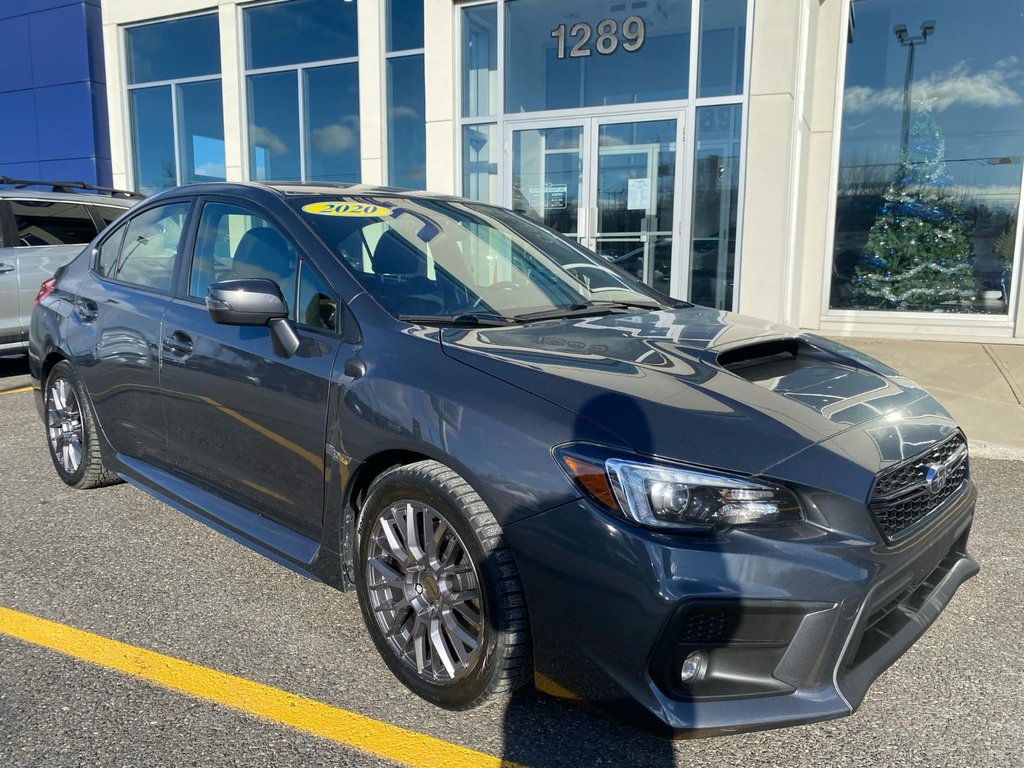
918 250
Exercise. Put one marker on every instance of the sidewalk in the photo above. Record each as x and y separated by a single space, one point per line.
981 385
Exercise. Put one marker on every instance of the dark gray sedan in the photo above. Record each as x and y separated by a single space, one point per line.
695 519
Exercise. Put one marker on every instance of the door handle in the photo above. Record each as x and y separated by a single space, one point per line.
5 268
87 310
179 344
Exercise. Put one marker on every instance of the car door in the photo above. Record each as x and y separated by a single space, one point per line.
114 330
42 236
243 421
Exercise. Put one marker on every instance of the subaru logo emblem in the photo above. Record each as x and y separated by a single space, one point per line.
935 477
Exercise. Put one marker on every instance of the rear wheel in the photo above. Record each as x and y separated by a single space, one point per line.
71 431
439 590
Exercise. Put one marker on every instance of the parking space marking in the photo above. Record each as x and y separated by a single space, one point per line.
323 720
15 391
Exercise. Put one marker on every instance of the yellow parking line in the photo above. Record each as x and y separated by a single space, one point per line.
15 391
314 717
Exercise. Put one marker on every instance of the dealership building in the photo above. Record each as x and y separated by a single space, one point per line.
847 166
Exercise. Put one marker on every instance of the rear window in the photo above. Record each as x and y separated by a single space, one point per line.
48 222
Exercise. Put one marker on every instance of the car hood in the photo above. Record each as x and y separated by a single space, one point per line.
701 385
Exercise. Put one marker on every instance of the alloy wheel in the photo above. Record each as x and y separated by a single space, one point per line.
424 592
64 425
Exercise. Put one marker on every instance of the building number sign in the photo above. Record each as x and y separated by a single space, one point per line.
582 39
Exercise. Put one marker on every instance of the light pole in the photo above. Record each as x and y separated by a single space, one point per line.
905 41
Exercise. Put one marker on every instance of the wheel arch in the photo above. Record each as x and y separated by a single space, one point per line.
53 357
362 479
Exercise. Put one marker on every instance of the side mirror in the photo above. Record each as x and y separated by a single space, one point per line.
253 301
248 301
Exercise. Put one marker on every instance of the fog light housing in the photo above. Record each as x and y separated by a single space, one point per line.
693 665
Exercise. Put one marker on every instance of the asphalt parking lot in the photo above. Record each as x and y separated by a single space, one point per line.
119 564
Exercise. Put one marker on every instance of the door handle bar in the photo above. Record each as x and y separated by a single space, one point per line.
179 344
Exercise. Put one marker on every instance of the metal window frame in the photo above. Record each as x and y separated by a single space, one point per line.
128 118
686 139
829 318
300 72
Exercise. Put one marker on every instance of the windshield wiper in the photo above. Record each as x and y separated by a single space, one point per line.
462 318
585 309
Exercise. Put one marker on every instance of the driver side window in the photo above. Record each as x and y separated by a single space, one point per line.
235 242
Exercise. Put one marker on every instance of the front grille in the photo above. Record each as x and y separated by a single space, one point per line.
901 499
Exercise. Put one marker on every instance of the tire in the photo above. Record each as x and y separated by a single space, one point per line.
71 432
453 645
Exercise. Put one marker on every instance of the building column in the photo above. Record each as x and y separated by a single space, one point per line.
772 151
787 197
370 22
117 107
440 109
233 89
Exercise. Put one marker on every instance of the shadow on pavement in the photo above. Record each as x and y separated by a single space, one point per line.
11 366
544 732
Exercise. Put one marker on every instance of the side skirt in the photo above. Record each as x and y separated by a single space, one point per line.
261 534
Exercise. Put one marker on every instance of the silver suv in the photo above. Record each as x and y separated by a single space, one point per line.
44 225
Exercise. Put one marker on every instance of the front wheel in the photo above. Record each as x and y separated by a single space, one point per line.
439 591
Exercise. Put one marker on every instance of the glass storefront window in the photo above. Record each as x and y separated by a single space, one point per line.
303 113
480 151
332 128
405 25
480 61
406 105
545 129
155 50
153 139
723 35
201 129
297 31
716 183
407 137
177 127
274 127
930 157
574 53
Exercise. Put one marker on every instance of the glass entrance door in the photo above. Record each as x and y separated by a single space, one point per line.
635 192
547 176
610 182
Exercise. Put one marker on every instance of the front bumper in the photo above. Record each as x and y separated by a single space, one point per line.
606 602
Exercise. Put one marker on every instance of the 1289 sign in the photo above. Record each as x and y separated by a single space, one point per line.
582 38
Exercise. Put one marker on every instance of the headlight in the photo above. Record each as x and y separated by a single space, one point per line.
675 496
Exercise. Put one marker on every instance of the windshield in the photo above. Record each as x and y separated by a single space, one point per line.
430 260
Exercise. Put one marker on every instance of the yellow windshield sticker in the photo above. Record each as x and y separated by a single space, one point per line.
333 208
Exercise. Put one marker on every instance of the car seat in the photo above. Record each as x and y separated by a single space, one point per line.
401 280
263 252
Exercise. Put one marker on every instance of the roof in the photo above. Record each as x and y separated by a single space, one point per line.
77 191
68 197
321 188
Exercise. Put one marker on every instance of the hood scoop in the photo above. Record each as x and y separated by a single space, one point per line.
787 365
841 388
763 359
